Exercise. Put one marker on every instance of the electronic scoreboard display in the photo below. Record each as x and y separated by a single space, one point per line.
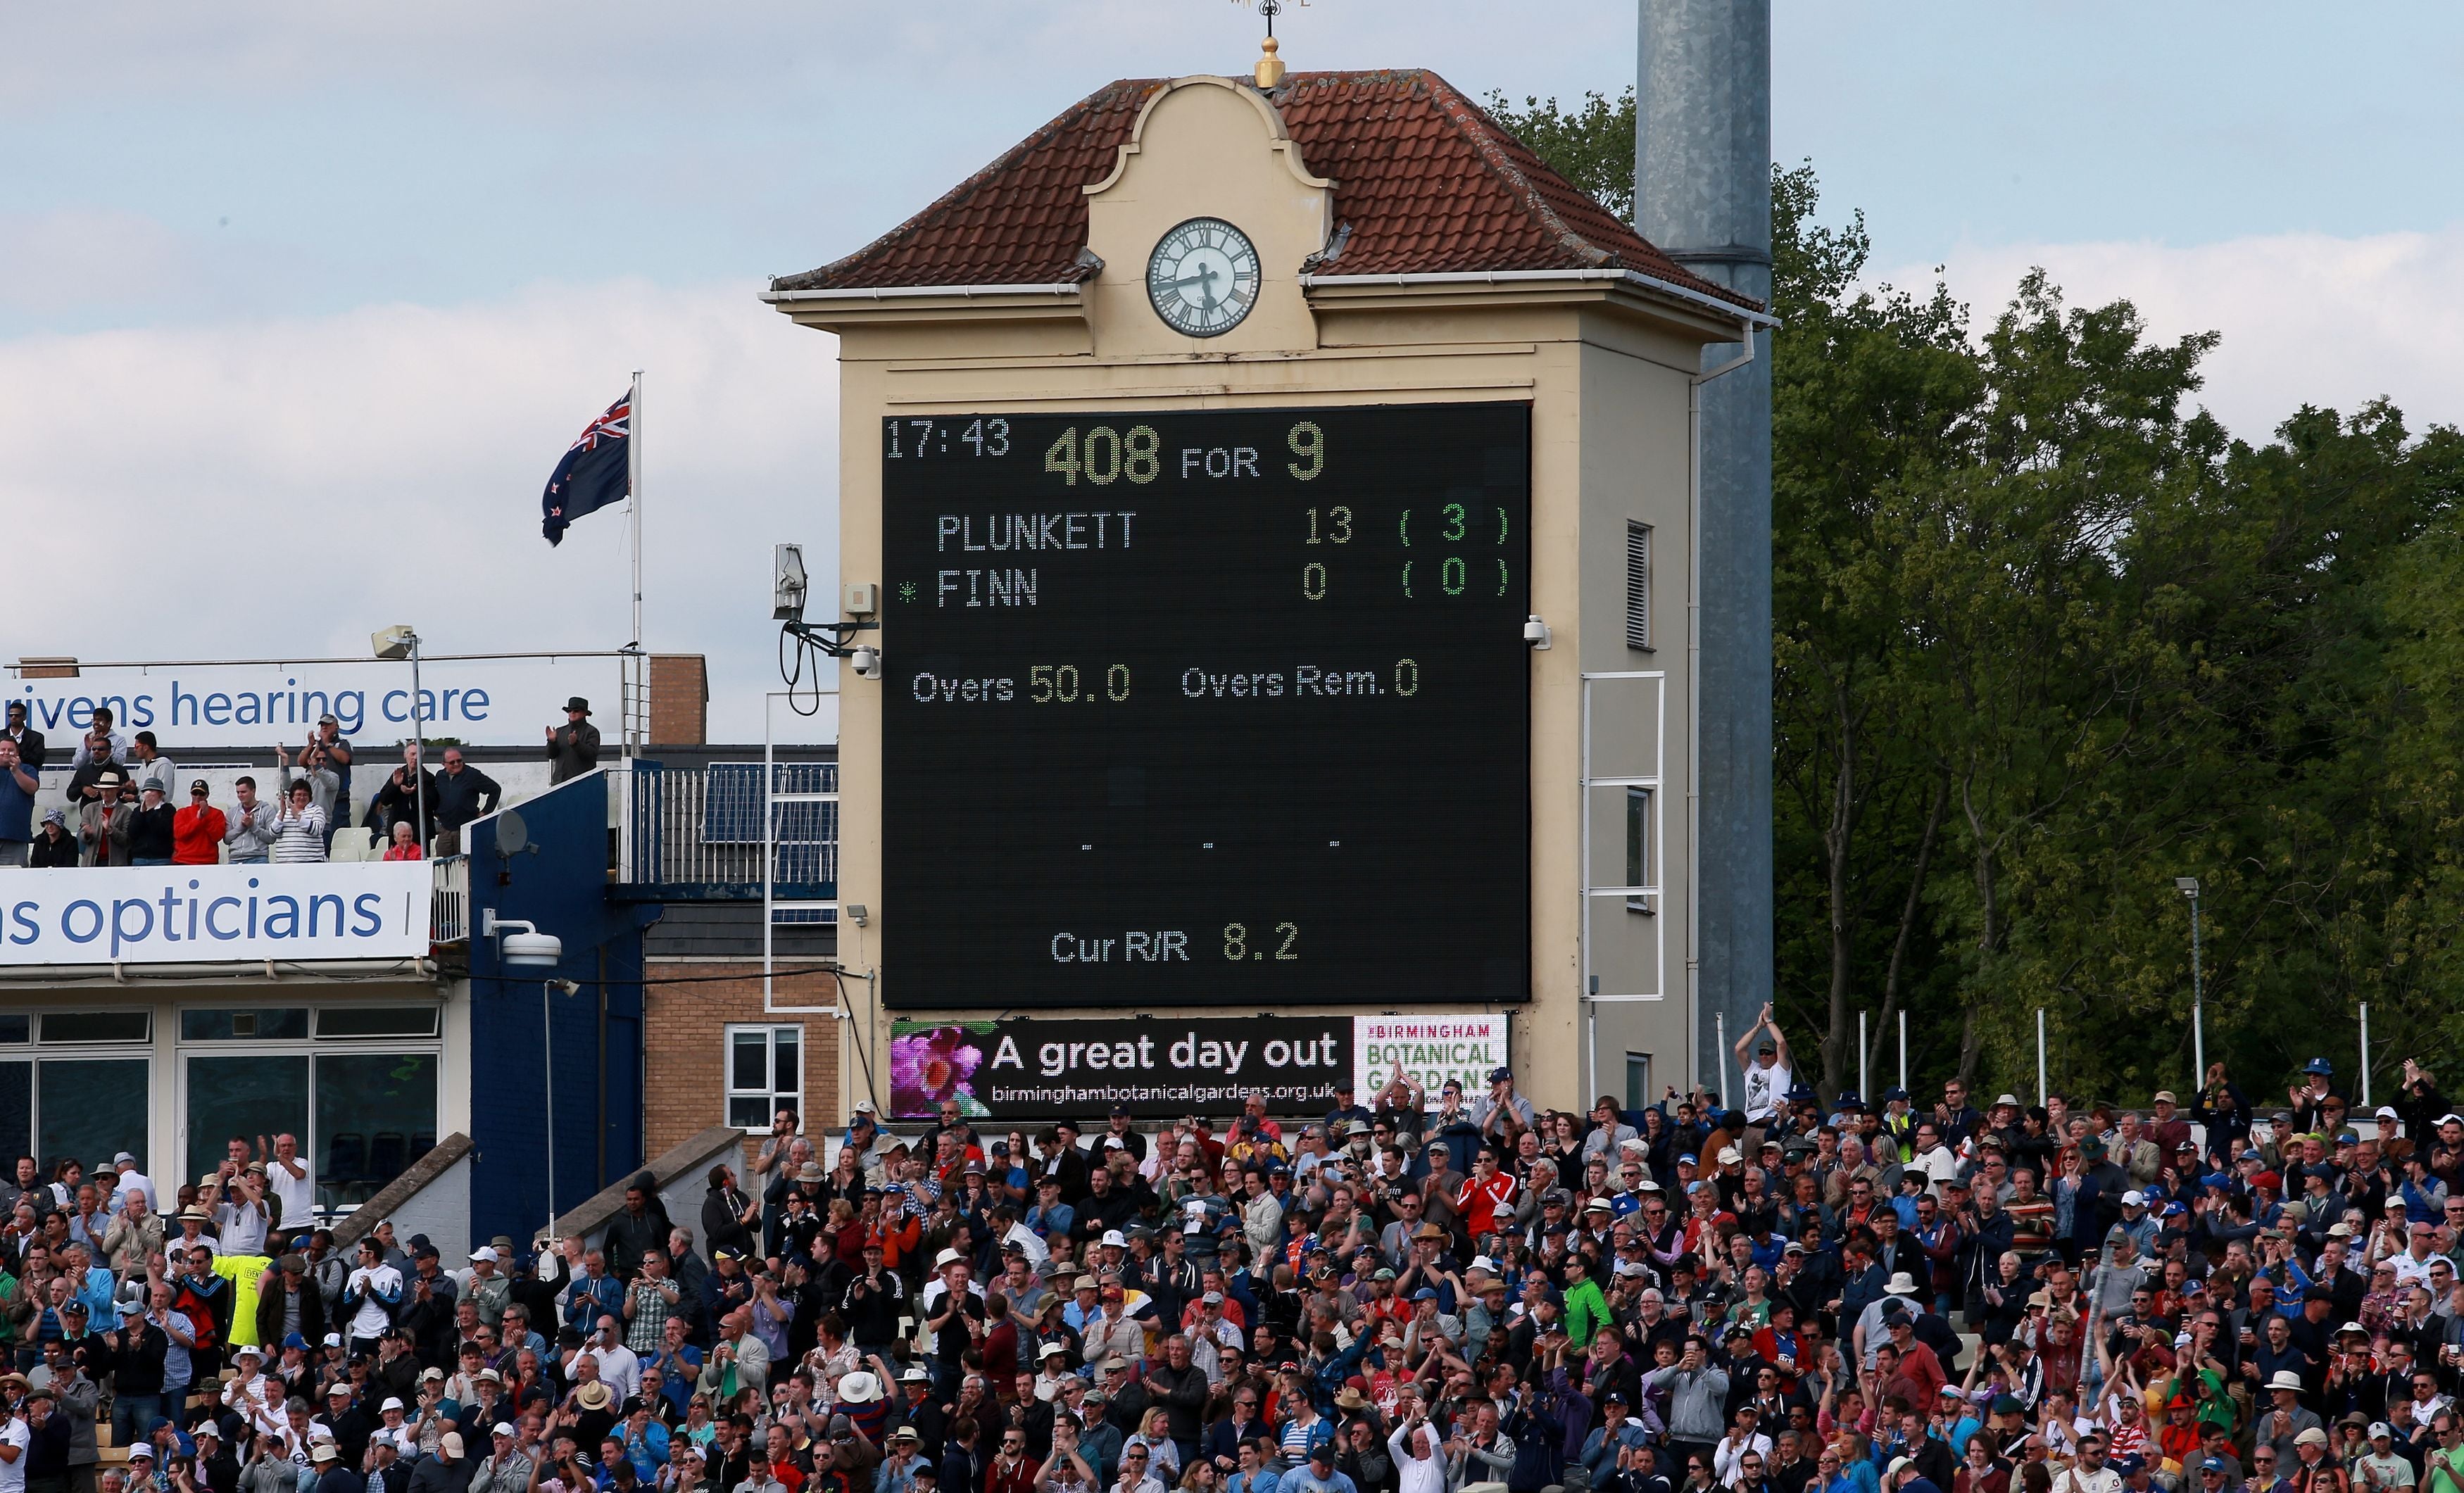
1206 708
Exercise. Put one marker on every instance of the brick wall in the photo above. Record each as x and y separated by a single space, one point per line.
685 1034
679 699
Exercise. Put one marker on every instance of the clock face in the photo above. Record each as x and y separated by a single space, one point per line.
1203 277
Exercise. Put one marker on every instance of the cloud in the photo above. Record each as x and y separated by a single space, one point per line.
2307 318
253 487
620 56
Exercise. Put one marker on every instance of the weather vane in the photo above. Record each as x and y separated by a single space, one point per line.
1271 67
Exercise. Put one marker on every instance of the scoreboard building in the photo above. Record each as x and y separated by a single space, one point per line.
1278 509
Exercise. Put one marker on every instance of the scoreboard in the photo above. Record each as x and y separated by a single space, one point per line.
1206 708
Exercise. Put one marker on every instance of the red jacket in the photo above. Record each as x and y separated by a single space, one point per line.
197 836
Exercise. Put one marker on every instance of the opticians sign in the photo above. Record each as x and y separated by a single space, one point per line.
198 914
1165 1068
226 707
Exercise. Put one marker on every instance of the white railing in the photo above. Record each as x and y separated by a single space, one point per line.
449 901
704 825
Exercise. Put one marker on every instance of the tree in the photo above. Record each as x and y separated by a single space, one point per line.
2047 637
1591 146
1871 392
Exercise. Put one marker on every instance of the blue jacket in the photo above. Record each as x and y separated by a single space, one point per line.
1331 1375
587 1301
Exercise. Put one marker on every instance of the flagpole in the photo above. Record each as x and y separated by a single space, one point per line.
633 489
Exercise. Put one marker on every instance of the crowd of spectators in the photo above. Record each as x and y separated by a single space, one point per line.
1410 1293
125 808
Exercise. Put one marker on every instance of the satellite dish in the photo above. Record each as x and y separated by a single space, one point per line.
512 835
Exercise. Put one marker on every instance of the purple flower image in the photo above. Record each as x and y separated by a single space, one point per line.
933 1063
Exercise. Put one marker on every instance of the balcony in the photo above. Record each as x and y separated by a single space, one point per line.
696 834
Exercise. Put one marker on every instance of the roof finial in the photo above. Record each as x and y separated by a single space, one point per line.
1271 67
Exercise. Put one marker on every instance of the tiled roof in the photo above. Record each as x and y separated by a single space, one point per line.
1424 182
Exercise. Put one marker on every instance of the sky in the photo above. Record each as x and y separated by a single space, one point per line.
304 300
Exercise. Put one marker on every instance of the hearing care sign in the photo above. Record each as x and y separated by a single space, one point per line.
1160 1068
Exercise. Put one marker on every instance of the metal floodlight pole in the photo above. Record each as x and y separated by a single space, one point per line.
2042 1088
1720 1043
2188 886
2366 1054
1864 1092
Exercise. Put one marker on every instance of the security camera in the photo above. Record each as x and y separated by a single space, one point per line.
866 661
1536 631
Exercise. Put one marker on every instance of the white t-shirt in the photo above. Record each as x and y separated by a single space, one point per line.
370 1320
297 1193
620 1368
1764 1087
12 1472
244 1225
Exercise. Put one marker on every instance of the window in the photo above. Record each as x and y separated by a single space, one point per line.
765 1074
1637 1080
62 1027
356 1084
376 1114
260 1094
85 1104
377 1021
261 1025
1637 846
90 1109
1638 585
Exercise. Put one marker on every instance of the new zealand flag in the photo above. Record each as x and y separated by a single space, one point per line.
594 473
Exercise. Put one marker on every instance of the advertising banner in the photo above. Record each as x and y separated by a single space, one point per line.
228 707
1162 1068
196 914
1430 1049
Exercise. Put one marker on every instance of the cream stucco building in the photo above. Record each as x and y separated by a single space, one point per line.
1409 253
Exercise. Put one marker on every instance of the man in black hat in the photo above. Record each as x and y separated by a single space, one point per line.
574 746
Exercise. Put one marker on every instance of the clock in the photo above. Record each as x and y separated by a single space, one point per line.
1203 277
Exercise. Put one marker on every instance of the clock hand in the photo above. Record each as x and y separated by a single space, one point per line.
1204 274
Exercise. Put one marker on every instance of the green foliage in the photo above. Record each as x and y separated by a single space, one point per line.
2046 637
1591 146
